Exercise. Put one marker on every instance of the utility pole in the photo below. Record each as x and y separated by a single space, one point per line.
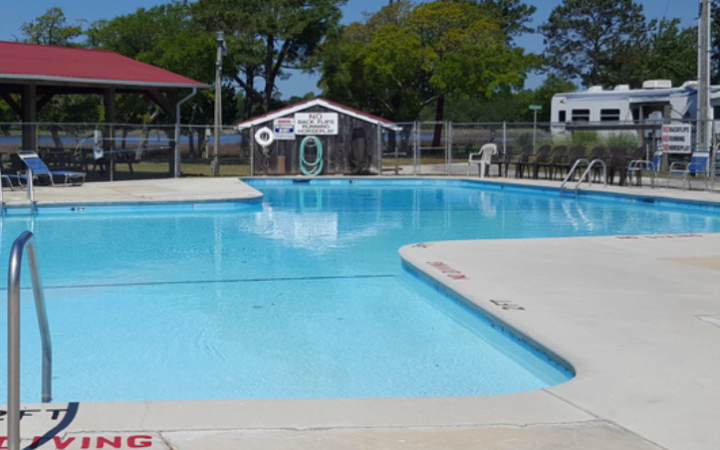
704 125
215 165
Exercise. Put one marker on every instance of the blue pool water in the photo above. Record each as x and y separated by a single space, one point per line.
301 295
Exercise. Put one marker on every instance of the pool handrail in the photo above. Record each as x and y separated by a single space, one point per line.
13 385
589 165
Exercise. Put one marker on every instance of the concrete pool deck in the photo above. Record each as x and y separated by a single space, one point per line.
637 317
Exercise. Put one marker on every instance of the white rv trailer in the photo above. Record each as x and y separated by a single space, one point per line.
622 108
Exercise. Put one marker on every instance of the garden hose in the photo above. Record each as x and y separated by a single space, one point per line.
314 168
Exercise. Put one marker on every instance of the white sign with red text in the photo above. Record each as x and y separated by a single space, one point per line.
316 124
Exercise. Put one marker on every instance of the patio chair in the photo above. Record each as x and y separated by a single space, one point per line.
696 168
541 158
482 158
617 163
564 165
520 160
599 152
640 164
40 171
548 164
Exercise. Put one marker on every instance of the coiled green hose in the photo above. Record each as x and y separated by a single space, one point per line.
314 168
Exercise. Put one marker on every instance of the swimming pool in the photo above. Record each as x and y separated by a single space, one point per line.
301 296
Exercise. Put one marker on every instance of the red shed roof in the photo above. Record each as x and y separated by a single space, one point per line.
333 106
32 62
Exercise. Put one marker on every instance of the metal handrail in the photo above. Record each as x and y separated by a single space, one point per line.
571 173
31 190
587 171
13 394
584 174
2 200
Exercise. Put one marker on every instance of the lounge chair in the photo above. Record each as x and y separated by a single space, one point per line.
40 171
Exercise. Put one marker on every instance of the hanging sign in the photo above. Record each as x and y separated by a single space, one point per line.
284 129
677 137
316 124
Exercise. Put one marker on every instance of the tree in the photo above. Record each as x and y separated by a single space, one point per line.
51 29
513 15
583 38
406 57
168 37
715 42
667 52
543 95
265 37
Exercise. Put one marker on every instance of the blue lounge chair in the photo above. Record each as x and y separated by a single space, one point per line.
40 171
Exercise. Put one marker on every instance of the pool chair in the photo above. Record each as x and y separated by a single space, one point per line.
697 168
641 166
41 172
483 158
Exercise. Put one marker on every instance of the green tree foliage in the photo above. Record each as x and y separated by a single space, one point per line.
514 15
715 42
667 52
168 37
51 29
406 57
588 39
543 95
265 37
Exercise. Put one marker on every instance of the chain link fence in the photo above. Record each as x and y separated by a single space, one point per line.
109 152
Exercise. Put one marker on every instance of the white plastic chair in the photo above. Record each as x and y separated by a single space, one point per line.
482 158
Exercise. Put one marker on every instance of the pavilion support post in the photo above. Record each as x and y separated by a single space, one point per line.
29 117
173 99
109 141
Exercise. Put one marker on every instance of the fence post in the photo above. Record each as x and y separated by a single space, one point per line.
448 148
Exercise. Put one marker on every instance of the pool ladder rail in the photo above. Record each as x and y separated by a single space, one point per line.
586 173
30 191
13 384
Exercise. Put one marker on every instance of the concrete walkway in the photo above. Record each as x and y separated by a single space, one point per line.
638 319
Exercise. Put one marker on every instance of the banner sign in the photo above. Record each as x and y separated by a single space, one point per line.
316 124
677 138
284 129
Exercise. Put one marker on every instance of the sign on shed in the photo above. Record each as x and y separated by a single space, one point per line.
677 137
316 124
284 129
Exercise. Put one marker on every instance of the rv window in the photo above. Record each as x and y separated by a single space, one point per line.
581 115
609 115
562 116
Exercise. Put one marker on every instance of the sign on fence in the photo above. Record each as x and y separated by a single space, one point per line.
677 138
316 124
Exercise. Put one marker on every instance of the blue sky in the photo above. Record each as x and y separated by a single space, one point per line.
13 15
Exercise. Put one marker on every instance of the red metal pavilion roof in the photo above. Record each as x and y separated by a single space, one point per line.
42 63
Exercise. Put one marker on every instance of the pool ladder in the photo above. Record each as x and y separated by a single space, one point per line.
590 165
13 385
30 192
